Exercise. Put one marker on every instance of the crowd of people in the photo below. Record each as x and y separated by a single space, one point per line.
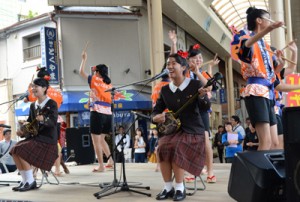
180 154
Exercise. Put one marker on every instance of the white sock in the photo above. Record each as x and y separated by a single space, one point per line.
22 173
179 186
168 186
29 176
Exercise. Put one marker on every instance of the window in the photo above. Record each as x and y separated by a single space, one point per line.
31 47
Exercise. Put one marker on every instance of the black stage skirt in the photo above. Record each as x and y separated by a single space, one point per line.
38 154
185 150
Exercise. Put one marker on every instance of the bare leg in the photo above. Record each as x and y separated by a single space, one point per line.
178 173
105 148
264 135
98 151
281 141
166 171
209 155
274 137
57 165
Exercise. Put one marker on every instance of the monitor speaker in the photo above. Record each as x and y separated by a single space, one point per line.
80 146
257 176
291 131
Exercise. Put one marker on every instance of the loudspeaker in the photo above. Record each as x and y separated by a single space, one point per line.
79 145
257 176
291 131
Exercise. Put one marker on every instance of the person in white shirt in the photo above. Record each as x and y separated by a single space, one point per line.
126 143
236 125
139 146
5 157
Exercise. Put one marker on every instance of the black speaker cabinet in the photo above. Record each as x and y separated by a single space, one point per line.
291 131
257 176
80 146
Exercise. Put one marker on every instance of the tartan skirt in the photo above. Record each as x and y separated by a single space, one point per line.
185 150
39 154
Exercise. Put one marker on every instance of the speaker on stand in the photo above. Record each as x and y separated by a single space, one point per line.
291 131
258 176
80 146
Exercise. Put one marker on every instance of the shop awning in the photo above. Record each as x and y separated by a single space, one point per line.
76 101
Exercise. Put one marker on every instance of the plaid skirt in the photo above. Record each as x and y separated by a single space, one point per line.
39 154
185 150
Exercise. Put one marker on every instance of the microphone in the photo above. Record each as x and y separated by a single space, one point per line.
5 126
142 115
23 96
163 73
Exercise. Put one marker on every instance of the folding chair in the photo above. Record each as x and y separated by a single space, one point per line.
195 188
3 164
45 176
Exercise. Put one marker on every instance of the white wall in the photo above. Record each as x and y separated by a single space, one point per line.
114 42
12 66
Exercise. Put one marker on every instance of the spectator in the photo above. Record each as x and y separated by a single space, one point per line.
232 141
6 158
125 144
218 143
140 147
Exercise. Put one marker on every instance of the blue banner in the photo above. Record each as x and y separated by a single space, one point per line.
223 99
123 117
49 52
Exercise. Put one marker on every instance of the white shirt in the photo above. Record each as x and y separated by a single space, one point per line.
140 143
182 86
126 141
7 158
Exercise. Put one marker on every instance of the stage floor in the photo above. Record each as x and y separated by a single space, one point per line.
82 183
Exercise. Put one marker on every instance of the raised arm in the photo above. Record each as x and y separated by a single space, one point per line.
262 33
82 72
173 37
292 67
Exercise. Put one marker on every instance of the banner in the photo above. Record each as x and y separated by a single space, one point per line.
293 98
49 53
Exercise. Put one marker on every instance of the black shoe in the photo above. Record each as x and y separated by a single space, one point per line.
28 187
18 187
165 195
179 195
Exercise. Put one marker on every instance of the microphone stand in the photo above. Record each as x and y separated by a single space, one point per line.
115 184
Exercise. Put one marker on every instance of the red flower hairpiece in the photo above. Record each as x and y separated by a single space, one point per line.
196 46
46 77
183 54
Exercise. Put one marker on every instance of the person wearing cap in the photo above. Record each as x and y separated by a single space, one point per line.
38 150
100 110
6 158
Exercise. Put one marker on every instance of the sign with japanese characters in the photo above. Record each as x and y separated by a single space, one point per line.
49 52
293 98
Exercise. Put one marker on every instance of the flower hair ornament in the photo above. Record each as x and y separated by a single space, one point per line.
47 77
196 46
183 54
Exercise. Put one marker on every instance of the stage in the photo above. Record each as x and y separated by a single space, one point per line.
82 183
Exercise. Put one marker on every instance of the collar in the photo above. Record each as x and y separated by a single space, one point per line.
182 86
42 104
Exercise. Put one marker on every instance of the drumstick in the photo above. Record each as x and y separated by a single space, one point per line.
272 21
86 45
206 63
281 57
295 40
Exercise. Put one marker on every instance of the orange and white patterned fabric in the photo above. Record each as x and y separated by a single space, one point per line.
101 100
256 68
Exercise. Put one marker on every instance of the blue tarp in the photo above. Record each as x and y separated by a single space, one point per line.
76 101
